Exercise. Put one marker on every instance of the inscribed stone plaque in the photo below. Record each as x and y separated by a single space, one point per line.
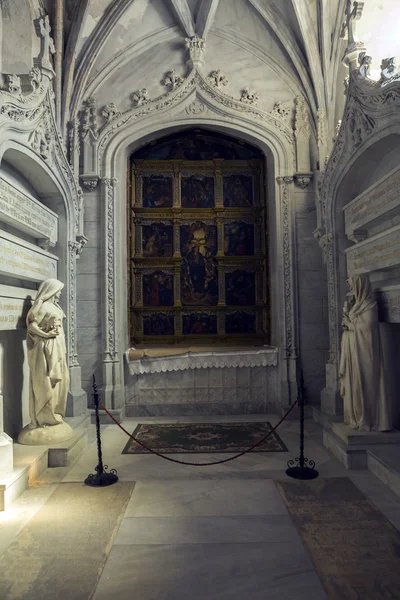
23 260
382 198
381 251
14 306
27 214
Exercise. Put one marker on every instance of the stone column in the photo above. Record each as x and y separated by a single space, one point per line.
77 398
289 352
112 389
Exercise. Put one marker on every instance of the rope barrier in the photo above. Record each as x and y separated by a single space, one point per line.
217 462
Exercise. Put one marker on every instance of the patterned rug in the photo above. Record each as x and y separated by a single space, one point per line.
355 549
204 438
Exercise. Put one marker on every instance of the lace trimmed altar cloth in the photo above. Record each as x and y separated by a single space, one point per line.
159 360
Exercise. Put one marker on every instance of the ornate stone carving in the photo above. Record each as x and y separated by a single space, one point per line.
290 348
172 80
90 130
35 78
359 123
388 71
110 112
249 96
353 13
196 46
217 79
196 108
302 179
14 85
280 111
140 97
365 65
89 181
41 140
302 119
321 128
110 349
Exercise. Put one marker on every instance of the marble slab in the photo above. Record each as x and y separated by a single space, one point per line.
378 202
381 251
14 303
22 260
388 298
352 436
27 214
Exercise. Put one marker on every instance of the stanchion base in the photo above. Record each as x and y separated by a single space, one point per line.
101 479
302 473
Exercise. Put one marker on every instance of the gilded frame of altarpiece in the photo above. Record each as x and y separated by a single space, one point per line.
198 252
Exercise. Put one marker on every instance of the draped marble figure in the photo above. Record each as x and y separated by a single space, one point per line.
49 376
362 380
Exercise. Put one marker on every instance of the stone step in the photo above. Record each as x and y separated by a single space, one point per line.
31 461
351 456
383 462
365 438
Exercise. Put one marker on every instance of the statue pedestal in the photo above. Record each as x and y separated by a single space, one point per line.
354 436
45 435
6 456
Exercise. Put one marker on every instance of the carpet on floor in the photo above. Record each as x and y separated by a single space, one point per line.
61 552
172 438
355 549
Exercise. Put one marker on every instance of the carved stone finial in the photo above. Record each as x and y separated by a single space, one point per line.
217 79
89 121
172 80
249 96
365 65
35 77
196 46
140 97
388 70
14 85
47 44
110 112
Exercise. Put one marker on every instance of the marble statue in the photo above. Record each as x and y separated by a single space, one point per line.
49 376
362 383
388 70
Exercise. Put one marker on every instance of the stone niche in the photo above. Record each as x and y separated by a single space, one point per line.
28 230
372 221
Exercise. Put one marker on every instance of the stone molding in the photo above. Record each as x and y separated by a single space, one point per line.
110 351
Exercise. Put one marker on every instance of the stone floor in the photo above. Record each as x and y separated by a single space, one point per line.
203 533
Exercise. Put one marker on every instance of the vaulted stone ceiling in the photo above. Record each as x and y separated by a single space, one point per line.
282 48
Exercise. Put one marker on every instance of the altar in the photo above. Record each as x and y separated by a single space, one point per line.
194 380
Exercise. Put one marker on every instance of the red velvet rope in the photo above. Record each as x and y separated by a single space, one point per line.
217 462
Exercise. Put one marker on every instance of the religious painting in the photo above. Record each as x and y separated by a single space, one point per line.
240 288
239 239
158 289
238 190
157 191
199 323
197 191
199 277
158 324
157 239
240 322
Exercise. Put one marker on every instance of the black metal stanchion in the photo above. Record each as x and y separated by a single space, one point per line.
100 478
304 469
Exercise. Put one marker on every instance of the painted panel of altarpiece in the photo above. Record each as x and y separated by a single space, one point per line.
198 241
199 273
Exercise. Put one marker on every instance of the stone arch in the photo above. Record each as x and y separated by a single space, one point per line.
118 141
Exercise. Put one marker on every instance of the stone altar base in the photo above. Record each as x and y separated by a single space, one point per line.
42 436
